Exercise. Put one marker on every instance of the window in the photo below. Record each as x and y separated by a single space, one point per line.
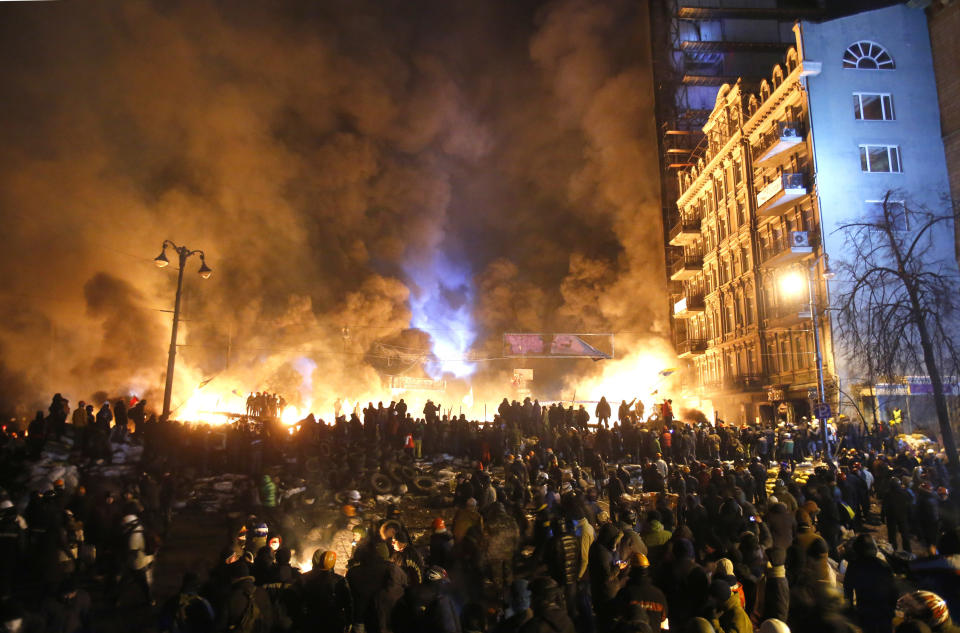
869 106
880 158
896 210
866 55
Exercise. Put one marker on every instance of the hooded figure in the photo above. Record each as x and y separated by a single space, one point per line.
869 586
606 574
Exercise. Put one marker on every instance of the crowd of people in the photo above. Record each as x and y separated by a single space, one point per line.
265 405
550 525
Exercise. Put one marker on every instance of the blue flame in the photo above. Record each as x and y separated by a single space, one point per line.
441 304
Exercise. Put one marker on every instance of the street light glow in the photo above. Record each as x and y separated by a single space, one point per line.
792 284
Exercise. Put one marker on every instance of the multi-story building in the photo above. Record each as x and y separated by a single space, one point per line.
944 18
849 114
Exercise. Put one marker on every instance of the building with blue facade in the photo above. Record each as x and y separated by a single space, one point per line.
849 115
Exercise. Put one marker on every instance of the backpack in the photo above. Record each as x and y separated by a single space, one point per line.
251 614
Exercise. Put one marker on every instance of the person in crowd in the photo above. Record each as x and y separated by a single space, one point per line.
572 536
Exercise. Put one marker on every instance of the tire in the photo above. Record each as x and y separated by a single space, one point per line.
409 473
312 465
393 472
380 483
422 484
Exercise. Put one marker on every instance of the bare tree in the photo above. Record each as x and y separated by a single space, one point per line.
898 301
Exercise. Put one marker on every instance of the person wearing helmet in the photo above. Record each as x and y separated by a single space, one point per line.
441 544
327 599
640 590
430 604
928 608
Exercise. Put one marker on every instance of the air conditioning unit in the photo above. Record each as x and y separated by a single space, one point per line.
799 239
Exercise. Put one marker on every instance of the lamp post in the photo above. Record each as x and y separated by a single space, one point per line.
183 253
811 300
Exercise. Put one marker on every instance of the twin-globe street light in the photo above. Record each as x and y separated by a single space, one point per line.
791 284
205 271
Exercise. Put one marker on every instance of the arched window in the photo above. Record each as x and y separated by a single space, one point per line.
753 105
764 91
867 55
777 76
791 59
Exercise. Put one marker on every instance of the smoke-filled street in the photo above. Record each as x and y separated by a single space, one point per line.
489 316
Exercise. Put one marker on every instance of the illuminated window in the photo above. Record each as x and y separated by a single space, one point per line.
866 55
880 159
868 106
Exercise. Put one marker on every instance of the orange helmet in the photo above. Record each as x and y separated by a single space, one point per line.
349 510
438 524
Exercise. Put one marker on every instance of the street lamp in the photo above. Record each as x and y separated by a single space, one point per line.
792 283
205 271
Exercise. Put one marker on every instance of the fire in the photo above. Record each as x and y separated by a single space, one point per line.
291 415
639 375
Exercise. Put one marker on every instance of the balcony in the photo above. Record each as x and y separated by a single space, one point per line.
776 197
786 250
785 315
686 267
743 382
785 136
685 231
736 383
688 306
691 347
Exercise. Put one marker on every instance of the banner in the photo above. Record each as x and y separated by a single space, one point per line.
408 383
542 345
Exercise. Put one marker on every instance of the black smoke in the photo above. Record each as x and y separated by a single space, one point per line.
317 151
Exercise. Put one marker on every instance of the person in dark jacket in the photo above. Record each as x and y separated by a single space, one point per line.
326 597
245 602
869 586
548 615
896 508
431 607
685 583
606 575
188 612
366 580
782 525
776 589
928 516
441 544
563 564
640 591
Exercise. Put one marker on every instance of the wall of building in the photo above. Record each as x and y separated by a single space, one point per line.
944 30
842 186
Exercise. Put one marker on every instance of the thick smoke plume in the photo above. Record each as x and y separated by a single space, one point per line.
325 156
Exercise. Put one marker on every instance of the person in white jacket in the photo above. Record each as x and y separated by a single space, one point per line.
139 564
